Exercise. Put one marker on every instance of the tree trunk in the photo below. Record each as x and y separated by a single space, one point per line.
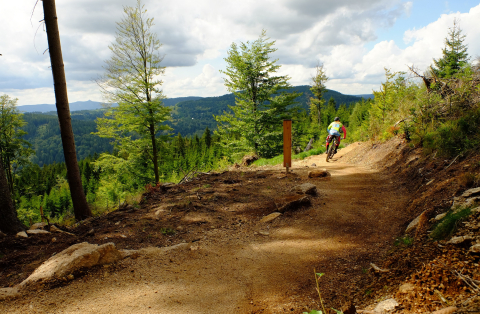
9 222
309 145
155 153
80 205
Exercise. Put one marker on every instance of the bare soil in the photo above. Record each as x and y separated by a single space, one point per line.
233 262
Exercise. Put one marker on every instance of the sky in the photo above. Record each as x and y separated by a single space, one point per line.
354 40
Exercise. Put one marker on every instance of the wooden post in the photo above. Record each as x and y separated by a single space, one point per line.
287 144
41 212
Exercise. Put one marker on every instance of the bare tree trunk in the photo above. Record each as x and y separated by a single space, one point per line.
80 205
9 222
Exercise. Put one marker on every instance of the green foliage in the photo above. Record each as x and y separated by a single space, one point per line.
455 56
406 241
14 149
261 100
448 224
454 137
43 132
131 80
318 89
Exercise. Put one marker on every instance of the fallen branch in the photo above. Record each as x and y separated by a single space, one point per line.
452 162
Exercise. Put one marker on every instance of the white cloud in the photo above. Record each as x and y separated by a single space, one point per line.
197 34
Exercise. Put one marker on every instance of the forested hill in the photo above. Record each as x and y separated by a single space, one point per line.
190 116
44 135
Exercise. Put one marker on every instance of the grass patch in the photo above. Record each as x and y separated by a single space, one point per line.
449 223
167 231
406 240
279 159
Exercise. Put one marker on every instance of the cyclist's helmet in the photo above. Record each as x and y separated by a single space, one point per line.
336 119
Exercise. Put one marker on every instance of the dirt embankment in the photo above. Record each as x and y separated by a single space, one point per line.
235 263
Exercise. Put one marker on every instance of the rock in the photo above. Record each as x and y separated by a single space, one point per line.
54 239
22 234
471 192
385 306
313 165
447 310
168 185
440 217
349 308
413 225
247 160
70 277
6 293
318 174
475 248
77 256
306 188
270 217
460 239
406 288
38 231
38 225
264 233
293 203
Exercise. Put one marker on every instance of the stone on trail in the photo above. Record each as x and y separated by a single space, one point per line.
460 239
413 224
38 225
447 310
475 248
38 231
471 192
406 288
77 256
22 234
440 216
385 306
8 293
270 217
318 174
291 203
306 188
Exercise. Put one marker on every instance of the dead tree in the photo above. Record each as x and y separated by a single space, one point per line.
80 205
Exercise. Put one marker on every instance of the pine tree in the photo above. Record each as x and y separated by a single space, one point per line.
318 89
262 100
455 56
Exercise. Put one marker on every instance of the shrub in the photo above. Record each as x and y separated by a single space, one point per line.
448 224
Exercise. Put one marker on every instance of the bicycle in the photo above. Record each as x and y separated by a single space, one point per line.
331 148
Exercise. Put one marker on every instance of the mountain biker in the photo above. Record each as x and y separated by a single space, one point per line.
334 129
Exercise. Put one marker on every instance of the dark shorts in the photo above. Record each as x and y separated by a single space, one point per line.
330 138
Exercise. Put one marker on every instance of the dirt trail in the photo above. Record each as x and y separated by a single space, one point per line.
351 222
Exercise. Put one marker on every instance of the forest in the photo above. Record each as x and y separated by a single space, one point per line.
142 142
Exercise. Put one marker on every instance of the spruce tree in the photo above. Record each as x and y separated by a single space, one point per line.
262 99
455 56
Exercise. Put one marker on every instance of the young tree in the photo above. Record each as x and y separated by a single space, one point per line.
15 150
261 99
318 89
9 222
131 81
80 205
455 56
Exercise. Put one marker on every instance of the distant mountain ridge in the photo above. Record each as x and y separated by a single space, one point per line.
170 102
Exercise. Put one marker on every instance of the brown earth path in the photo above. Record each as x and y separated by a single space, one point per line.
351 223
